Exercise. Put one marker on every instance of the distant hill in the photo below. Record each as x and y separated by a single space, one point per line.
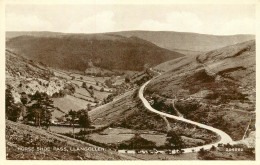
13 34
75 51
186 41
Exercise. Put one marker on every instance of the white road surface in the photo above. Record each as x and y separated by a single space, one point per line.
224 138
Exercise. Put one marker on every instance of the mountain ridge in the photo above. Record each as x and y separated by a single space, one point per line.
106 51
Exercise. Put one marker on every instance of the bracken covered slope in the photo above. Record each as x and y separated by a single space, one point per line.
217 87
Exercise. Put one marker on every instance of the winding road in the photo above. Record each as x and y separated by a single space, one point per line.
224 138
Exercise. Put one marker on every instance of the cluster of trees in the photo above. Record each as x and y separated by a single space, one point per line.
109 83
79 117
174 141
163 104
68 90
137 142
109 98
186 108
37 108
89 89
143 80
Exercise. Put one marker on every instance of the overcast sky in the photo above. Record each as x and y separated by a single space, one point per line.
207 19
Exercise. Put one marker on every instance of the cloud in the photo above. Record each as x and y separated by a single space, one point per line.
190 22
238 26
175 21
16 22
101 22
88 19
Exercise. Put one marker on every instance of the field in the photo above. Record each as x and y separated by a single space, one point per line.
159 139
63 130
69 102
118 135
81 98
78 79
112 135
56 114
101 95
91 93
83 93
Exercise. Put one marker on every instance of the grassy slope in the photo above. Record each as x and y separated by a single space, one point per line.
18 135
229 73
127 112
70 102
75 52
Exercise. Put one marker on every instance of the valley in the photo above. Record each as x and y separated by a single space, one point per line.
143 99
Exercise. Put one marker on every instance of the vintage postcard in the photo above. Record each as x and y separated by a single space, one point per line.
114 80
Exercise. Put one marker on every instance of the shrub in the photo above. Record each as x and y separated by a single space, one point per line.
127 79
213 148
137 142
84 85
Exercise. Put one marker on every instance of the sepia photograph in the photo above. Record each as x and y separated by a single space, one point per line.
130 81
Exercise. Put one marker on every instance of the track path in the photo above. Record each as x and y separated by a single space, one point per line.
224 138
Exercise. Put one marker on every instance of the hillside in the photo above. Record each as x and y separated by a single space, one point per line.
186 42
53 146
216 88
82 51
18 66
27 76
128 112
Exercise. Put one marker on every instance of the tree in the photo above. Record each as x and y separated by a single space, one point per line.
71 117
12 109
174 140
24 98
40 109
202 152
84 120
102 89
